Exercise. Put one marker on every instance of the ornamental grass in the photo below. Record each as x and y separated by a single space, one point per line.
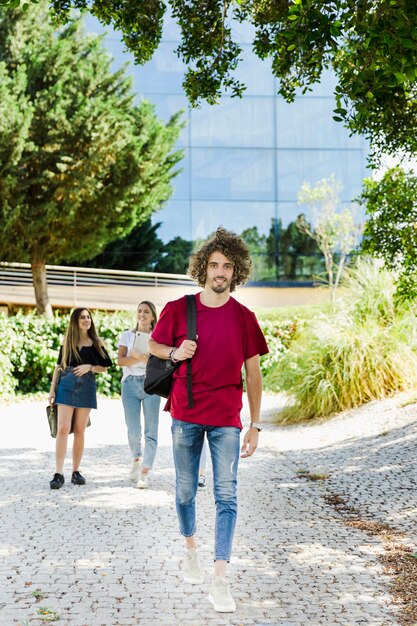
365 349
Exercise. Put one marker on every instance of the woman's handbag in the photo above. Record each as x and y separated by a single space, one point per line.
52 410
51 414
159 372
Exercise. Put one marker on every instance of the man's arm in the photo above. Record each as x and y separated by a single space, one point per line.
185 351
254 391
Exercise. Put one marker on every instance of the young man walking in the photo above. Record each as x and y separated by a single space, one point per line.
228 337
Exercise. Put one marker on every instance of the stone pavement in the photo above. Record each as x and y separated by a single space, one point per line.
108 554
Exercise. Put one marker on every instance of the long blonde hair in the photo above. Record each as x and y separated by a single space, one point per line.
72 337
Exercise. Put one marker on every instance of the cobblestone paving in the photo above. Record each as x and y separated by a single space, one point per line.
108 554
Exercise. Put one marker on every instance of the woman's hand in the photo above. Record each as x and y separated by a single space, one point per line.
82 369
138 356
51 399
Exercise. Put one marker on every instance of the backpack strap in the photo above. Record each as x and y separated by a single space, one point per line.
191 334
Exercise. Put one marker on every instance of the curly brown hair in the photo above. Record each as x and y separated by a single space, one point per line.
229 244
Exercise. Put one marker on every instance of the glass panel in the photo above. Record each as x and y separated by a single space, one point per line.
181 182
251 220
236 216
223 174
242 32
162 75
246 122
176 220
166 106
308 123
295 167
255 73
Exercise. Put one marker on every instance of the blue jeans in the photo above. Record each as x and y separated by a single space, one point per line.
134 398
224 444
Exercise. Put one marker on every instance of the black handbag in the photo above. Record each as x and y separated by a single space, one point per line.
159 372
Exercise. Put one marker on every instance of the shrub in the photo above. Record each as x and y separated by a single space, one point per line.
365 350
29 347
8 382
278 335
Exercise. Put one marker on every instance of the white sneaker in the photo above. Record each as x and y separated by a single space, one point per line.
191 568
135 470
220 596
142 481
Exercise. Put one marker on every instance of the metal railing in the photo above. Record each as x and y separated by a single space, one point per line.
14 274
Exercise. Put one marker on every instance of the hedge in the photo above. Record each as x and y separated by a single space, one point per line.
29 346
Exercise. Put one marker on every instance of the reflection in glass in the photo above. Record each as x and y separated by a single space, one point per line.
294 167
308 123
246 122
246 159
224 174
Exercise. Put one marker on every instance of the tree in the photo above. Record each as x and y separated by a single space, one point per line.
370 44
138 251
256 244
391 228
80 164
175 256
294 245
335 232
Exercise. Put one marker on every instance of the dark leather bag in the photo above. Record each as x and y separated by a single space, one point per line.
159 372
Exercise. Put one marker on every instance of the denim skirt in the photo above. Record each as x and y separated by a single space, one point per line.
77 391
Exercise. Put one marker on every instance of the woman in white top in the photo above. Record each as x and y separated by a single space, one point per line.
134 397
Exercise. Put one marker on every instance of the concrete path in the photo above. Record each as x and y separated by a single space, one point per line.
108 554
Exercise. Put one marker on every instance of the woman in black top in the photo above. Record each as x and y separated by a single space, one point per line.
81 357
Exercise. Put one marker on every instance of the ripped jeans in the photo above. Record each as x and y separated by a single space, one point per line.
224 444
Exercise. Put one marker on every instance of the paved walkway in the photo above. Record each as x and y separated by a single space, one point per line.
108 554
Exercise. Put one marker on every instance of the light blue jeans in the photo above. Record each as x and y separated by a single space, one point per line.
224 444
134 398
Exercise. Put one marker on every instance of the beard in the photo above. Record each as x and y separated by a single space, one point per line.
220 288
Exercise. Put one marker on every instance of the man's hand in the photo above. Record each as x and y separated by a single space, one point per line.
186 350
250 442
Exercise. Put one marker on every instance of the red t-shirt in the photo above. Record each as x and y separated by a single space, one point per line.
227 336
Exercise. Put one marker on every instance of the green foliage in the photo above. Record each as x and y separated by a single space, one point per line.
174 256
279 336
293 253
8 340
138 251
390 231
282 254
142 250
335 231
80 163
370 45
29 347
364 350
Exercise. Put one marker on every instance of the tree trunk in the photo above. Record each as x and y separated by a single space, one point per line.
40 285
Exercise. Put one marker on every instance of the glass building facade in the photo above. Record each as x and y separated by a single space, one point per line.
245 159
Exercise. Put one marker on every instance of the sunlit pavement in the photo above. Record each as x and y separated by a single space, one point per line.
108 554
